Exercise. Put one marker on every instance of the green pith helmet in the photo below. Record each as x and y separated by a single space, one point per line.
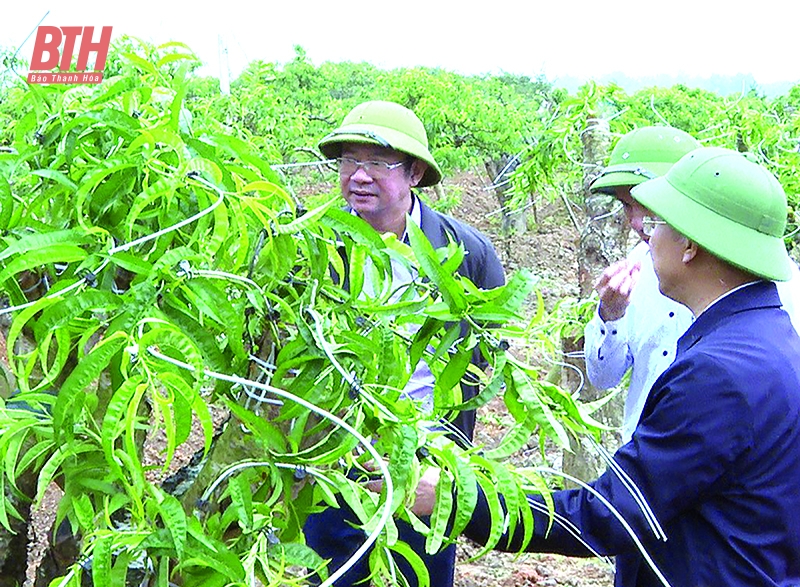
726 203
386 124
642 154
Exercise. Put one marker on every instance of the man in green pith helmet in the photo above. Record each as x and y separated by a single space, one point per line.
707 486
381 150
635 326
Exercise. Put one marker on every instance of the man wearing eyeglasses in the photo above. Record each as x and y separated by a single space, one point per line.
381 150
635 326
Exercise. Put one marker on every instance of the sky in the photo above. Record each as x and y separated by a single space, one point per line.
577 38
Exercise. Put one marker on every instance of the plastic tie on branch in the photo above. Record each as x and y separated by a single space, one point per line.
89 277
202 505
184 269
133 351
272 537
355 387
299 473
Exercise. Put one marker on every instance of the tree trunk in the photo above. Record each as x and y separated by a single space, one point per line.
602 241
514 222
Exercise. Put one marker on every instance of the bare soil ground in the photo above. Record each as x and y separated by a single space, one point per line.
548 248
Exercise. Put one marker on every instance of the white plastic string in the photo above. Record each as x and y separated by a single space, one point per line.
52 294
176 226
347 376
617 515
633 489
571 528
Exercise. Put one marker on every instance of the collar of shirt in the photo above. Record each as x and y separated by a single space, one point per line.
729 292
758 294
415 214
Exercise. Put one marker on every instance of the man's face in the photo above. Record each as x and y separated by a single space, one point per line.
667 248
378 200
634 211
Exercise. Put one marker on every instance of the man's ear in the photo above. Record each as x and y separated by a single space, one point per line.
418 169
690 250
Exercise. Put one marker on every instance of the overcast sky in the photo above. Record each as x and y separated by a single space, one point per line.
577 38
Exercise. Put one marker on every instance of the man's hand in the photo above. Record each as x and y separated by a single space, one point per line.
425 498
615 286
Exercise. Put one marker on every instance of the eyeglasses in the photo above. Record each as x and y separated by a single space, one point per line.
649 224
375 169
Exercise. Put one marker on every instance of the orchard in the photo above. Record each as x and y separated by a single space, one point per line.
161 277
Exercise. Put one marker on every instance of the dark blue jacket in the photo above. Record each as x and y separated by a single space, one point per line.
334 533
716 454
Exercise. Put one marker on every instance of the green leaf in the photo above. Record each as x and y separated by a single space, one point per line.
305 221
6 203
171 341
56 176
507 304
88 184
350 494
357 256
71 396
62 312
171 512
506 486
132 263
6 507
415 561
183 396
495 514
242 500
514 439
404 446
490 391
84 511
270 436
528 391
162 189
451 376
449 289
441 515
114 420
42 256
300 555
356 228
422 339
212 301
101 559
52 465
39 240
466 490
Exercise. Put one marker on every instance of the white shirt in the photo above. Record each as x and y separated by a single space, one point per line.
646 337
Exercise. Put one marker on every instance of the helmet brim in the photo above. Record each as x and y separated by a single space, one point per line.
628 174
